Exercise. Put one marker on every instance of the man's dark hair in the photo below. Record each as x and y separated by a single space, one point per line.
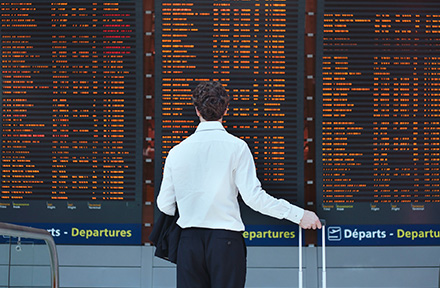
211 99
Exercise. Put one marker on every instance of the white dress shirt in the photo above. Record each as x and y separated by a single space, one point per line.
204 174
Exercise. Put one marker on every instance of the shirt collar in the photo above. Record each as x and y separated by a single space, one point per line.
210 125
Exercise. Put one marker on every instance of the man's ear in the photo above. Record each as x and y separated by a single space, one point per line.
226 111
197 111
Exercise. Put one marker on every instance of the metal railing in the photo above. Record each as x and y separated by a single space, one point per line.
19 232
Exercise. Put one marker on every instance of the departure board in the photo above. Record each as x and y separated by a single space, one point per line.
378 113
255 49
71 119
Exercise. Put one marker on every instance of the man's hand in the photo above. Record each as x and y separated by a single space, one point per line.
310 220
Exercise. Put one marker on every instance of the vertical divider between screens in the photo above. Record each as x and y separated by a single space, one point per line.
157 99
301 113
318 104
310 78
147 102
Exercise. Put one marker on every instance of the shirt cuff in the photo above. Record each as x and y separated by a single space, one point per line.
295 215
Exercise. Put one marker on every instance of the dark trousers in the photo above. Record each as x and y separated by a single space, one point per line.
211 258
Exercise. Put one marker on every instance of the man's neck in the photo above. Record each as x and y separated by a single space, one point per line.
203 120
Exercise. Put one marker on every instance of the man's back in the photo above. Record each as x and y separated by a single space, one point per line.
203 168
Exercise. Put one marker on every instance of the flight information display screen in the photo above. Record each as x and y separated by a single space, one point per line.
71 137
255 49
378 139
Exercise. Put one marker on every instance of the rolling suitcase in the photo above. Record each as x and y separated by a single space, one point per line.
300 270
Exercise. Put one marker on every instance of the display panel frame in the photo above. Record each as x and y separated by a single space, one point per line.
367 141
246 91
79 43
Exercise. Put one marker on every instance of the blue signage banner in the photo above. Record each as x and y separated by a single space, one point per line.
382 235
271 235
91 233
347 235
254 235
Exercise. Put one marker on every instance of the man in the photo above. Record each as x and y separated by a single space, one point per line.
203 175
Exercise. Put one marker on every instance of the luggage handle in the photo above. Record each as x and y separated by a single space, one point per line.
324 269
